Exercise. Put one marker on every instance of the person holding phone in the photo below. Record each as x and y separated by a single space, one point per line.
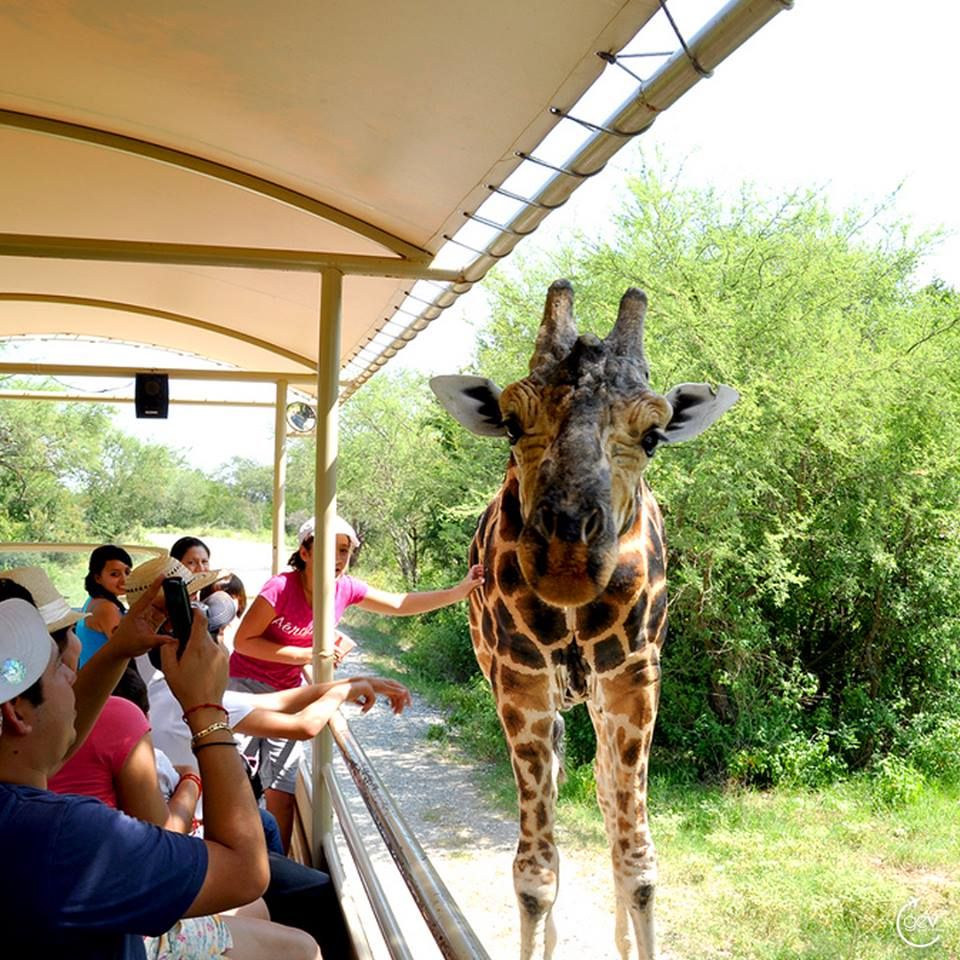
81 879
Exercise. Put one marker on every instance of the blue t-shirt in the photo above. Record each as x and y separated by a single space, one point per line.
83 881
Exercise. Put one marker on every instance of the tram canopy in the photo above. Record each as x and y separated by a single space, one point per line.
174 173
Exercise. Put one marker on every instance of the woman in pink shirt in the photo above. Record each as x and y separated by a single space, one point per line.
274 643
117 764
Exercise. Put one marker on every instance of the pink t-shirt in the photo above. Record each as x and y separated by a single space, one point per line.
93 769
292 626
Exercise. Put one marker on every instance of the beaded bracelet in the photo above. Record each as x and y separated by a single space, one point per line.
216 743
193 778
208 706
206 731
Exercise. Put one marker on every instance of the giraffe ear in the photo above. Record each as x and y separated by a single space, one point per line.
696 406
474 402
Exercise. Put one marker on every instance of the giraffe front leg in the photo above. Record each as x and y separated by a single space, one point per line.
606 800
624 727
536 864
528 723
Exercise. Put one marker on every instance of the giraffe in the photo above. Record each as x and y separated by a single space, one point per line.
574 607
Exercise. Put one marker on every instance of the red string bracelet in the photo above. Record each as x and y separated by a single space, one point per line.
205 706
195 779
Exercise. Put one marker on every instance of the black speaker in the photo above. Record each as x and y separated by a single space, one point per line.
152 395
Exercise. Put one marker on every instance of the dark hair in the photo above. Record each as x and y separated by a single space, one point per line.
131 687
34 693
296 561
99 558
11 590
231 585
180 548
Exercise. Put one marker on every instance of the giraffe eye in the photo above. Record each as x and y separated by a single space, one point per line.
650 440
512 426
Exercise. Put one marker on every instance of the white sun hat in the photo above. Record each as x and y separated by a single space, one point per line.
25 647
53 607
140 577
340 526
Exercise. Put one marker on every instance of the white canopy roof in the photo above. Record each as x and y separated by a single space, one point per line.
174 173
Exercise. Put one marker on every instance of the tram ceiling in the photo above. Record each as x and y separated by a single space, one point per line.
178 174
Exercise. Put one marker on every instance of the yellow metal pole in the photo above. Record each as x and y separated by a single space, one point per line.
325 511
279 473
207 255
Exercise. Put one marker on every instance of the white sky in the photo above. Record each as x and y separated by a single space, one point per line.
854 96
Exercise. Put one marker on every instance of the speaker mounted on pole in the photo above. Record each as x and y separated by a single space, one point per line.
152 396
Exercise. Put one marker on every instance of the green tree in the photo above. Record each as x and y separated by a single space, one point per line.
395 483
44 452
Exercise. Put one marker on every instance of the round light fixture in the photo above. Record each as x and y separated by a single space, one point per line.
301 417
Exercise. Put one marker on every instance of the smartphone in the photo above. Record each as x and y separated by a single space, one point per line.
179 611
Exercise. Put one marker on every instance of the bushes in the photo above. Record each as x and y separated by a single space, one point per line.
931 743
440 648
895 783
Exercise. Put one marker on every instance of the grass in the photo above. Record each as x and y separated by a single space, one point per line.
803 873
785 874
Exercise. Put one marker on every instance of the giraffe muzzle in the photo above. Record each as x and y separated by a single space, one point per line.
567 557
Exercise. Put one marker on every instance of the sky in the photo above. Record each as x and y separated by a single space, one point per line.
849 96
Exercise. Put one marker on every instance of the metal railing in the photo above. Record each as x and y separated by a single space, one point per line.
455 938
56 547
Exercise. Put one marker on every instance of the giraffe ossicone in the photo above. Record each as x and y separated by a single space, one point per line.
574 607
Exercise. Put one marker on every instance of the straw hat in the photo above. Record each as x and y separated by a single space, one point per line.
54 609
141 576
25 647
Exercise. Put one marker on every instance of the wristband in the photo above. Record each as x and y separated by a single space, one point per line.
208 706
193 778
216 743
206 731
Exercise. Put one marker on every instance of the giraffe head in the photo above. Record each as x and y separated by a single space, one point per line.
582 427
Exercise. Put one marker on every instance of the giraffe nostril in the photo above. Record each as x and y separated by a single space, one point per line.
545 521
593 524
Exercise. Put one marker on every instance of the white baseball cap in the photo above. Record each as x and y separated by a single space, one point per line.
25 647
340 526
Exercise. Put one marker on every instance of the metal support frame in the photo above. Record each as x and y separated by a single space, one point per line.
279 475
99 303
128 373
324 545
52 397
695 59
211 255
